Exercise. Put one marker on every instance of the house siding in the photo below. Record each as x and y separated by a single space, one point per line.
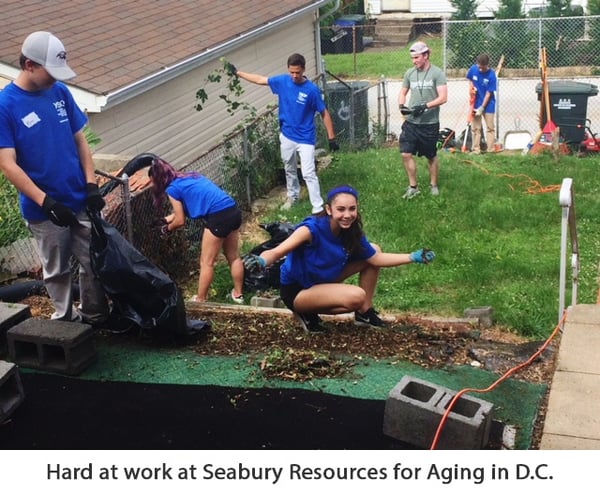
164 120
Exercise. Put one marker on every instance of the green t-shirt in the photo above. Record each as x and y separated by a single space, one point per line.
423 89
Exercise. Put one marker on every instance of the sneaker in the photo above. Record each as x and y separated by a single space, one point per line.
237 299
435 191
288 203
411 192
310 322
369 318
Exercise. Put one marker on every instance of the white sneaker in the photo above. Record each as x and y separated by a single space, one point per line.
288 204
236 299
411 192
435 191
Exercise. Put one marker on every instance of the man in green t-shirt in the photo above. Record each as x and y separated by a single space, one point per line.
420 129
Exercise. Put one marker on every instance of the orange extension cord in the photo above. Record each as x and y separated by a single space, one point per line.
533 187
510 372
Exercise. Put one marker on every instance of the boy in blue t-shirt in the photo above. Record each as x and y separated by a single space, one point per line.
44 153
299 100
483 83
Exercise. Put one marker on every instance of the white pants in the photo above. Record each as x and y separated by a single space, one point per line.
56 245
306 152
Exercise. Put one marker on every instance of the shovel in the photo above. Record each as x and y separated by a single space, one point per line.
549 126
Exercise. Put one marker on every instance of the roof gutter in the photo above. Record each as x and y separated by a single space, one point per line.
169 73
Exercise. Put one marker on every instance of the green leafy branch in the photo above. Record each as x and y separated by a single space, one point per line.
233 88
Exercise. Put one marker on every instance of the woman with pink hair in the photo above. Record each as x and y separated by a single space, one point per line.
195 196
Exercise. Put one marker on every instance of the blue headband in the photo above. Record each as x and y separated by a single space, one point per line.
341 189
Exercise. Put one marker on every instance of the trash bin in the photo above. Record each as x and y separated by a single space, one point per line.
332 41
354 26
568 107
348 105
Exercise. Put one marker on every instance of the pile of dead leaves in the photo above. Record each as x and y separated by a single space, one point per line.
285 351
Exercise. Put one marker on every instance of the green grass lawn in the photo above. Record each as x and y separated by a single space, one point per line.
495 228
392 63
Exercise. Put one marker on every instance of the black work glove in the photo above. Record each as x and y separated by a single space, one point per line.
419 109
230 69
333 145
404 110
161 225
58 213
95 201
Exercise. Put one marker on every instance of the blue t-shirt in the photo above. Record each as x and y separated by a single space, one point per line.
199 195
40 126
298 104
323 259
484 82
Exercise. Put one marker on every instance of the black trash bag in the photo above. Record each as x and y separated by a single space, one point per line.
269 279
469 143
139 290
446 139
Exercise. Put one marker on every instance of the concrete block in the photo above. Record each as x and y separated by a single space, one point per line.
51 345
414 409
11 390
484 314
267 301
10 315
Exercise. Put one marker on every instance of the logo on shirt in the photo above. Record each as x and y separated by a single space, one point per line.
61 110
30 120
301 98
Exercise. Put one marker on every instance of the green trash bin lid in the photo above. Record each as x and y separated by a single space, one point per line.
569 88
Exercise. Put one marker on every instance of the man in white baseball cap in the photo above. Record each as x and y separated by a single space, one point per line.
424 88
47 50
45 154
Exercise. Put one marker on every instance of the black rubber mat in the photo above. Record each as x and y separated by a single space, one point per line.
69 413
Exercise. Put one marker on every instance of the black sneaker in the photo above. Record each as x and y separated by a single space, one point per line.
310 322
370 318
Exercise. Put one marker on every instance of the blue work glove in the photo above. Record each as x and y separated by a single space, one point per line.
404 110
419 109
58 213
95 201
254 263
422 256
333 145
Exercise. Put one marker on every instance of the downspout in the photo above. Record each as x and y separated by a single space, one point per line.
334 8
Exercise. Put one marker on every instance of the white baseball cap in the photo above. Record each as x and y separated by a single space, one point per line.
418 48
47 50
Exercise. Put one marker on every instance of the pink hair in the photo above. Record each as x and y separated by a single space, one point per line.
162 174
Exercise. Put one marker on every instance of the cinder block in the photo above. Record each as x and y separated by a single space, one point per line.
414 409
267 301
51 345
485 315
11 390
10 315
